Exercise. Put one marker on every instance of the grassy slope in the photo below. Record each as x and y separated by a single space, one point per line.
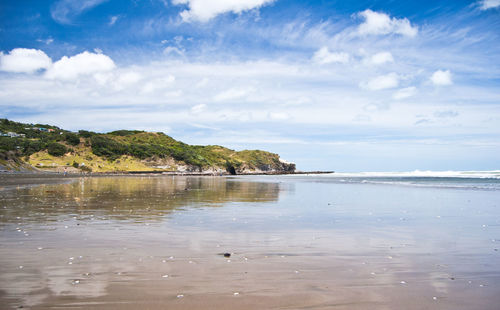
130 151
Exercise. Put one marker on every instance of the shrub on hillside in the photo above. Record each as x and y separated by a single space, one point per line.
32 146
72 138
56 149
8 144
124 133
102 146
86 134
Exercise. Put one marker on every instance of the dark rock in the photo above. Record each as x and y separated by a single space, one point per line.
227 255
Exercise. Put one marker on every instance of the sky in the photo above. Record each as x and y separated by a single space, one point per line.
330 85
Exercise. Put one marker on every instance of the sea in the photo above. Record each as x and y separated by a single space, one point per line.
480 180
372 240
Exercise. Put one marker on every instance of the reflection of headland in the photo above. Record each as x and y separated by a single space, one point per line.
132 197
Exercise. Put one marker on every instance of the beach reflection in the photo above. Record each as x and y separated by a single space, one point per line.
75 239
126 198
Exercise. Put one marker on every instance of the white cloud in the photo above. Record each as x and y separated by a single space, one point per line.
126 79
46 41
204 10
381 58
405 93
64 11
233 93
441 78
390 80
489 4
24 60
278 116
362 118
202 83
174 94
376 107
198 108
380 23
174 51
324 56
102 78
157 84
113 20
70 68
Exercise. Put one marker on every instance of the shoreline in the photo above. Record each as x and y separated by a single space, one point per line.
173 173
23 179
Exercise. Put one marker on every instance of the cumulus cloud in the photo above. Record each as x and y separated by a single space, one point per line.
489 4
64 11
126 79
70 68
205 10
324 56
405 93
24 60
441 78
381 58
390 80
377 23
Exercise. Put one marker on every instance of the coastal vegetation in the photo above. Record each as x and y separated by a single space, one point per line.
50 147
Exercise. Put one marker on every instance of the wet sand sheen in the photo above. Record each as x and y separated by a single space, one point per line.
155 243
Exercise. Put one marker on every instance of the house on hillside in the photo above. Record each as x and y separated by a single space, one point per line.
13 134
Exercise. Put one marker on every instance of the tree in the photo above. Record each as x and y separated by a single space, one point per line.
57 149
72 138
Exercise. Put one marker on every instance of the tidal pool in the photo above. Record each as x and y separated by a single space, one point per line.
295 242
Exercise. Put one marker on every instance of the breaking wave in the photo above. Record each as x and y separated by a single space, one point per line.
493 174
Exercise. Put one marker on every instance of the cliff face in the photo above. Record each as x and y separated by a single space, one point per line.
50 148
9 161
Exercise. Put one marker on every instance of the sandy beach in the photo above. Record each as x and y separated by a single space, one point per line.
294 243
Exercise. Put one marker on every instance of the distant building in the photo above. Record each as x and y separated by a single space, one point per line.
14 135
41 129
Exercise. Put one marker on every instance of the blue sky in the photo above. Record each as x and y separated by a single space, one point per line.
330 85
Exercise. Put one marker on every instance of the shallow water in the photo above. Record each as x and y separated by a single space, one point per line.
296 242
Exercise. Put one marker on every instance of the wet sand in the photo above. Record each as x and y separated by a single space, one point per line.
295 243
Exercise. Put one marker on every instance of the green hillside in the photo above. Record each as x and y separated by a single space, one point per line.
52 148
